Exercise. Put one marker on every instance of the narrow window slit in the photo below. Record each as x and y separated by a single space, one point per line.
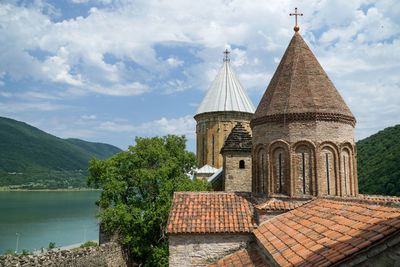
345 174
280 173
327 173
212 151
262 173
304 172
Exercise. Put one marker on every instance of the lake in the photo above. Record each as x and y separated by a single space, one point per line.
43 217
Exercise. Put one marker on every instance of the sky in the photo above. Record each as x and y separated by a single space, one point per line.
107 71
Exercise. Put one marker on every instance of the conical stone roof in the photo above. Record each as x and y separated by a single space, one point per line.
226 94
301 90
238 140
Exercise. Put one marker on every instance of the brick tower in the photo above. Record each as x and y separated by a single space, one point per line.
225 104
303 131
236 154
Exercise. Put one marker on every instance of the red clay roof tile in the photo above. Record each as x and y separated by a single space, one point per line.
325 231
210 212
249 257
280 204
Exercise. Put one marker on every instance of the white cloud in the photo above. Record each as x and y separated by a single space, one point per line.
174 62
113 51
179 126
88 117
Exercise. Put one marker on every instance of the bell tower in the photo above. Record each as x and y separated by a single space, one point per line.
303 131
225 104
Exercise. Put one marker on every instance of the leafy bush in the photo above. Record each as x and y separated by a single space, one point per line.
89 244
52 245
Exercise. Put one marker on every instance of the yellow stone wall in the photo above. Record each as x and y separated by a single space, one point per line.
219 125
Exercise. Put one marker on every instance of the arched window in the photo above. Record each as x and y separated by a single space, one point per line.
280 171
261 172
303 182
346 172
328 161
241 164
212 151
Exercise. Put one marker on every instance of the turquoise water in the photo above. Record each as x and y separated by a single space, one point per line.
43 217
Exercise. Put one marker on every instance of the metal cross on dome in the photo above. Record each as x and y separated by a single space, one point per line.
296 27
226 52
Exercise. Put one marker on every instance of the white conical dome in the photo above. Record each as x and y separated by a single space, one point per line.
226 94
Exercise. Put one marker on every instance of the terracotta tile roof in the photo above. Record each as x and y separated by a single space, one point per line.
378 198
210 212
279 204
301 90
325 231
249 257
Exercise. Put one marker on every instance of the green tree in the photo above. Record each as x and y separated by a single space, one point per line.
138 187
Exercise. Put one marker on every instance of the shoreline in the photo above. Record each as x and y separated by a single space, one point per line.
4 189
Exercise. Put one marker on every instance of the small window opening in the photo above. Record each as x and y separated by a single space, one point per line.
212 152
280 172
345 174
327 173
304 172
241 164
262 173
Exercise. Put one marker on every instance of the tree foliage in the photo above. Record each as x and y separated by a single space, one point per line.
138 187
378 163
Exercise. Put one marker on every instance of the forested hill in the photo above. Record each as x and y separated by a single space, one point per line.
29 155
378 163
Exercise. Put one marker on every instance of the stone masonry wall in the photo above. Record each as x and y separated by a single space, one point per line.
219 125
236 179
202 250
316 139
106 255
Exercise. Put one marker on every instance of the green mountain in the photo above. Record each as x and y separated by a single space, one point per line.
378 163
33 158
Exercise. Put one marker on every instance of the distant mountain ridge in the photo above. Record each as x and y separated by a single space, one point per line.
378 163
29 155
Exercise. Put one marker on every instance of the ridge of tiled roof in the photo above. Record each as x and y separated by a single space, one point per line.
238 139
280 204
210 212
301 90
249 257
371 199
226 93
326 231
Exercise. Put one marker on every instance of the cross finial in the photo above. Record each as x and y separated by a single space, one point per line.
226 52
296 27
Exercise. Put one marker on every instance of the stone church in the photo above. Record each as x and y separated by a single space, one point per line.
284 178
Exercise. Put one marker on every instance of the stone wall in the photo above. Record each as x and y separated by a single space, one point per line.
312 146
106 255
202 250
235 178
219 125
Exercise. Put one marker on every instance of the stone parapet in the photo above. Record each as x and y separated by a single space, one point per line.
106 255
